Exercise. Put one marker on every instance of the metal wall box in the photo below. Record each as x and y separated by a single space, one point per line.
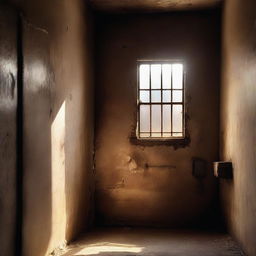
223 170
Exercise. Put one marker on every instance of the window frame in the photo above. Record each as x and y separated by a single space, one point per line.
184 130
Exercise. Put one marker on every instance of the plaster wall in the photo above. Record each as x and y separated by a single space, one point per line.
127 193
238 119
8 110
58 123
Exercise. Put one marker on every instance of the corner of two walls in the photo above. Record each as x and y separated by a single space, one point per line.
58 123
238 120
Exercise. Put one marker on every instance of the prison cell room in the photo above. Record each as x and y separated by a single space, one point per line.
127 128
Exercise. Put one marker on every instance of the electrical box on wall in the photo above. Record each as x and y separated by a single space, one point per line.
223 170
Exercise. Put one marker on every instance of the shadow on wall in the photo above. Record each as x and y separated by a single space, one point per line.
37 222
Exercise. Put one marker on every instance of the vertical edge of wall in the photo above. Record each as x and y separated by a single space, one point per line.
90 53
19 144
8 110
238 120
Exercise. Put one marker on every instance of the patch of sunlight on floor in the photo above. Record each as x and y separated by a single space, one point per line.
109 247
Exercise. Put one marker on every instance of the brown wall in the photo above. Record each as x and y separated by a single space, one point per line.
8 110
58 123
238 119
126 192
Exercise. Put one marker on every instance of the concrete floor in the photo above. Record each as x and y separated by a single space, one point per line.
153 242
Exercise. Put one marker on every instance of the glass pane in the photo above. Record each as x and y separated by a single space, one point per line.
177 118
156 96
145 135
177 134
155 76
156 134
167 75
156 118
144 96
167 96
144 76
177 76
166 118
166 135
144 118
176 96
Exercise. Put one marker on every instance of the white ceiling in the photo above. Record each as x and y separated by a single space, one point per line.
151 5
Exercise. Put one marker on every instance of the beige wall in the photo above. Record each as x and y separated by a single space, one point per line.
238 119
58 123
126 192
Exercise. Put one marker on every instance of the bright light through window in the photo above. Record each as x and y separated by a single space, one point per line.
160 100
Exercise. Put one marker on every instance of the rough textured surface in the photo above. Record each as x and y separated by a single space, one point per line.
148 242
58 123
8 109
127 192
238 119
151 5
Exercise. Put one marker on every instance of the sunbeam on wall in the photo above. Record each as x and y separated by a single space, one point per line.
58 176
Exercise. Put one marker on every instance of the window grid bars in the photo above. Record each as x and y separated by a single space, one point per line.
171 103
171 106
150 118
161 100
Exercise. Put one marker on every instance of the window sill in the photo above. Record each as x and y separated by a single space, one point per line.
180 142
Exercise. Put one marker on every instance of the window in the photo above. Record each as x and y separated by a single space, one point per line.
160 100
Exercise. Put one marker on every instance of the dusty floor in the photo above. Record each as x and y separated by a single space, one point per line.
149 242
